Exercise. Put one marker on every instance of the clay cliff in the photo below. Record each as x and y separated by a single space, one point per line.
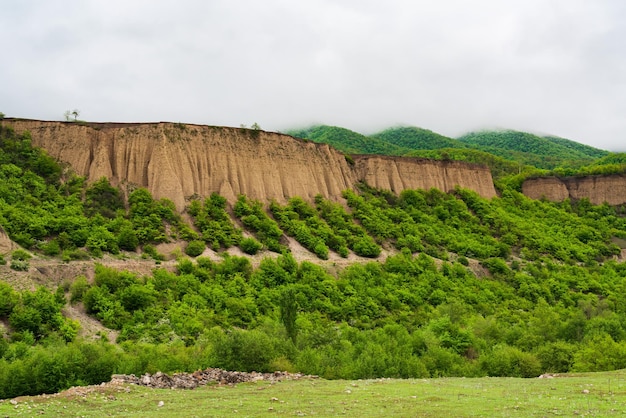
177 161
598 189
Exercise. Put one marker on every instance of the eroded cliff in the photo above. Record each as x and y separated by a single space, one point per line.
177 161
598 189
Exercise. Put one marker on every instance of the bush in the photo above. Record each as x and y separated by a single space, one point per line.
510 361
21 255
195 248
245 351
51 248
127 239
366 247
152 252
78 289
250 246
19 265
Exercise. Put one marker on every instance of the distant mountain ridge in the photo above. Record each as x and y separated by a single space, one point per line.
522 148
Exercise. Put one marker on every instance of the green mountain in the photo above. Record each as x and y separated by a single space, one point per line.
576 146
348 141
530 149
417 138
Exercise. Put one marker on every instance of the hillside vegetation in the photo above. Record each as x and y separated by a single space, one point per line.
472 287
541 152
506 152
348 141
417 138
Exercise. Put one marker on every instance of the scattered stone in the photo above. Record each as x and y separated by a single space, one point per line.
13 402
585 391
274 399
160 404
161 380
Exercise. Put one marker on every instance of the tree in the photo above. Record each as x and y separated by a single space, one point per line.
68 115
289 311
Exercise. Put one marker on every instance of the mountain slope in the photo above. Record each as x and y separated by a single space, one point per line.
526 148
348 141
416 138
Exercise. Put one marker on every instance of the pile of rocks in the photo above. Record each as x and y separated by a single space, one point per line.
203 377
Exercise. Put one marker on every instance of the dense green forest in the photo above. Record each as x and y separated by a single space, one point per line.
506 152
469 286
541 152
348 141
417 138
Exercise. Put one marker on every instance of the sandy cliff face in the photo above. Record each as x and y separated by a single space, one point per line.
178 161
598 189
400 173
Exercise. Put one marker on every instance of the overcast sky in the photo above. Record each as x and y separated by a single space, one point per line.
452 66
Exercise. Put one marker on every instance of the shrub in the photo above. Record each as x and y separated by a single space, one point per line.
127 239
505 360
21 255
19 265
152 252
245 351
8 299
366 247
250 246
195 248
51 248
78 289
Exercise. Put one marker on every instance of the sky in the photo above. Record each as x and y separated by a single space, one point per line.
452 66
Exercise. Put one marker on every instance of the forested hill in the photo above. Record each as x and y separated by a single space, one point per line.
415 138
348 141
541 152
518 148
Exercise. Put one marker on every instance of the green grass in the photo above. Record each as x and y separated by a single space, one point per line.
588 394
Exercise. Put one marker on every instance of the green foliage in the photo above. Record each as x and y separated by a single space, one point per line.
250 246
529 149
499 166
20 265
214 223
8 299
254 218
78 288
21 255
195 248
347 141
104 199
417 138
288 304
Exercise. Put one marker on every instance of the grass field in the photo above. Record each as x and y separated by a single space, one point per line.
590 394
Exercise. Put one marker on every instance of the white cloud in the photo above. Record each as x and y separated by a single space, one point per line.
554 66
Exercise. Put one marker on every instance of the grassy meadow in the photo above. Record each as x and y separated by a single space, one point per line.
584 394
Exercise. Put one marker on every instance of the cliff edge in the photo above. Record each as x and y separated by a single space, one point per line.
598 189
176 161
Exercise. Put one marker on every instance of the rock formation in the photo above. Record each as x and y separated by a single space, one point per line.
598 189
177 161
